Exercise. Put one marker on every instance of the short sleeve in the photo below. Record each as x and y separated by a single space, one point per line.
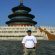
23 41
35 40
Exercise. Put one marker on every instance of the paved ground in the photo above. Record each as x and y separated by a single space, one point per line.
15 48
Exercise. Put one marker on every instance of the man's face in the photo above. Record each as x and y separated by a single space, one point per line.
29 33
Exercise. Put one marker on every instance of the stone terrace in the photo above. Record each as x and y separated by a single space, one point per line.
15 48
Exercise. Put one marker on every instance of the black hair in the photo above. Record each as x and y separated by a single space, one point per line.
28 30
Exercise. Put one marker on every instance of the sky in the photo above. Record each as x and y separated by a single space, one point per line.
44 11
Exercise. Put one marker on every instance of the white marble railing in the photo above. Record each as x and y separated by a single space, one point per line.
21 31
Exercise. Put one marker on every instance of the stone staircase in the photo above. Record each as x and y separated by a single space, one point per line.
15 48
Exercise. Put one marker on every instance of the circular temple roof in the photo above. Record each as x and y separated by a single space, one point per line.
21 7
18 20
17 14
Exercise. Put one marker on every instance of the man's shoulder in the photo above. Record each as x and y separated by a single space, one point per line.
33 36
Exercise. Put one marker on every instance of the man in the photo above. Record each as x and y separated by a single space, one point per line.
29 43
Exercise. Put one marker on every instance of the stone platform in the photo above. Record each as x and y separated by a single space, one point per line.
15 48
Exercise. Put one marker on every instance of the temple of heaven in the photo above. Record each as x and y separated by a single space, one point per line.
21 16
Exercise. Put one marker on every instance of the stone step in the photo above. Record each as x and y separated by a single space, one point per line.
15 48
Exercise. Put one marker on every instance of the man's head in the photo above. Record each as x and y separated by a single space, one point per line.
29 32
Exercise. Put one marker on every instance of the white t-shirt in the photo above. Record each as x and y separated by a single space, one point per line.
29 41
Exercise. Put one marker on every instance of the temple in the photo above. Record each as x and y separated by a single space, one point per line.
21 16
21 21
